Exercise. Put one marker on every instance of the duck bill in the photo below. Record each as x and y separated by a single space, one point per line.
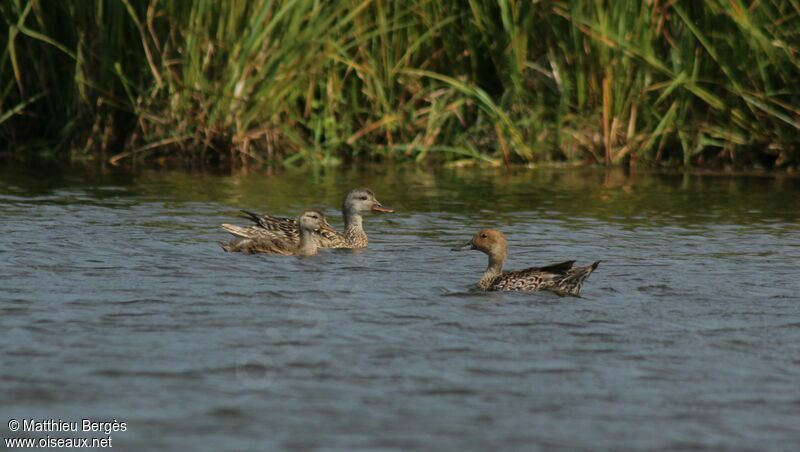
465 247
377 207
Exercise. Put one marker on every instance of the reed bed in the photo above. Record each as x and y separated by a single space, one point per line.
655 81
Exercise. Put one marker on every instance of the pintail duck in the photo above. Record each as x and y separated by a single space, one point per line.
563 278
311 224
357 203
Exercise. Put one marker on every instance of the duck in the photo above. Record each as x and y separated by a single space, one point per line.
562 278
310 223
357 203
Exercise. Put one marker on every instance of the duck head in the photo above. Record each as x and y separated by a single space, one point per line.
489 241
314 221
362 200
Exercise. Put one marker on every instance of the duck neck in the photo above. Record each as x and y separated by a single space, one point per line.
352 220
493 271
353 227
307 245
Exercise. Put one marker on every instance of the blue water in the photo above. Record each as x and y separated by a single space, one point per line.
116 302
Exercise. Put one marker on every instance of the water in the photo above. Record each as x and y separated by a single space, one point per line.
117 303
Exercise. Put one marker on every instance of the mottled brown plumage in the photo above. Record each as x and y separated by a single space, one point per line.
310 224
562 278
356 203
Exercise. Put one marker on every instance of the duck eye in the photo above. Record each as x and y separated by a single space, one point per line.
483 236
364 198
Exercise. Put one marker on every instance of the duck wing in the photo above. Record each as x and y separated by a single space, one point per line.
279 227
268 221
251 232
558 269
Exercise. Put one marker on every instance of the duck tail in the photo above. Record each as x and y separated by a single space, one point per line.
572 283
581 273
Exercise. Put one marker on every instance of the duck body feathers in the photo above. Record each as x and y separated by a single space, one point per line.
256 239
563 278
253 246
287 230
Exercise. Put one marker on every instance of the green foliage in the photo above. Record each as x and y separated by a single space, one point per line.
316 81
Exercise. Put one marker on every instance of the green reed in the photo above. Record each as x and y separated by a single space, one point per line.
689 83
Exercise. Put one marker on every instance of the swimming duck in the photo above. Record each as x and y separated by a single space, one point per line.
357 203
563 278
311 224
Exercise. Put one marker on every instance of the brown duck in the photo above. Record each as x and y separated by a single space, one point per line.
357 203
563 278
311 224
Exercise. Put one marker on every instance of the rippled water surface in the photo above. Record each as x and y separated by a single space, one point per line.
117 302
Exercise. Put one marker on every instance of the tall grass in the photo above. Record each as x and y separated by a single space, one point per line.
254 81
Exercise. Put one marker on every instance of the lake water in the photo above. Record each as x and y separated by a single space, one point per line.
116 302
